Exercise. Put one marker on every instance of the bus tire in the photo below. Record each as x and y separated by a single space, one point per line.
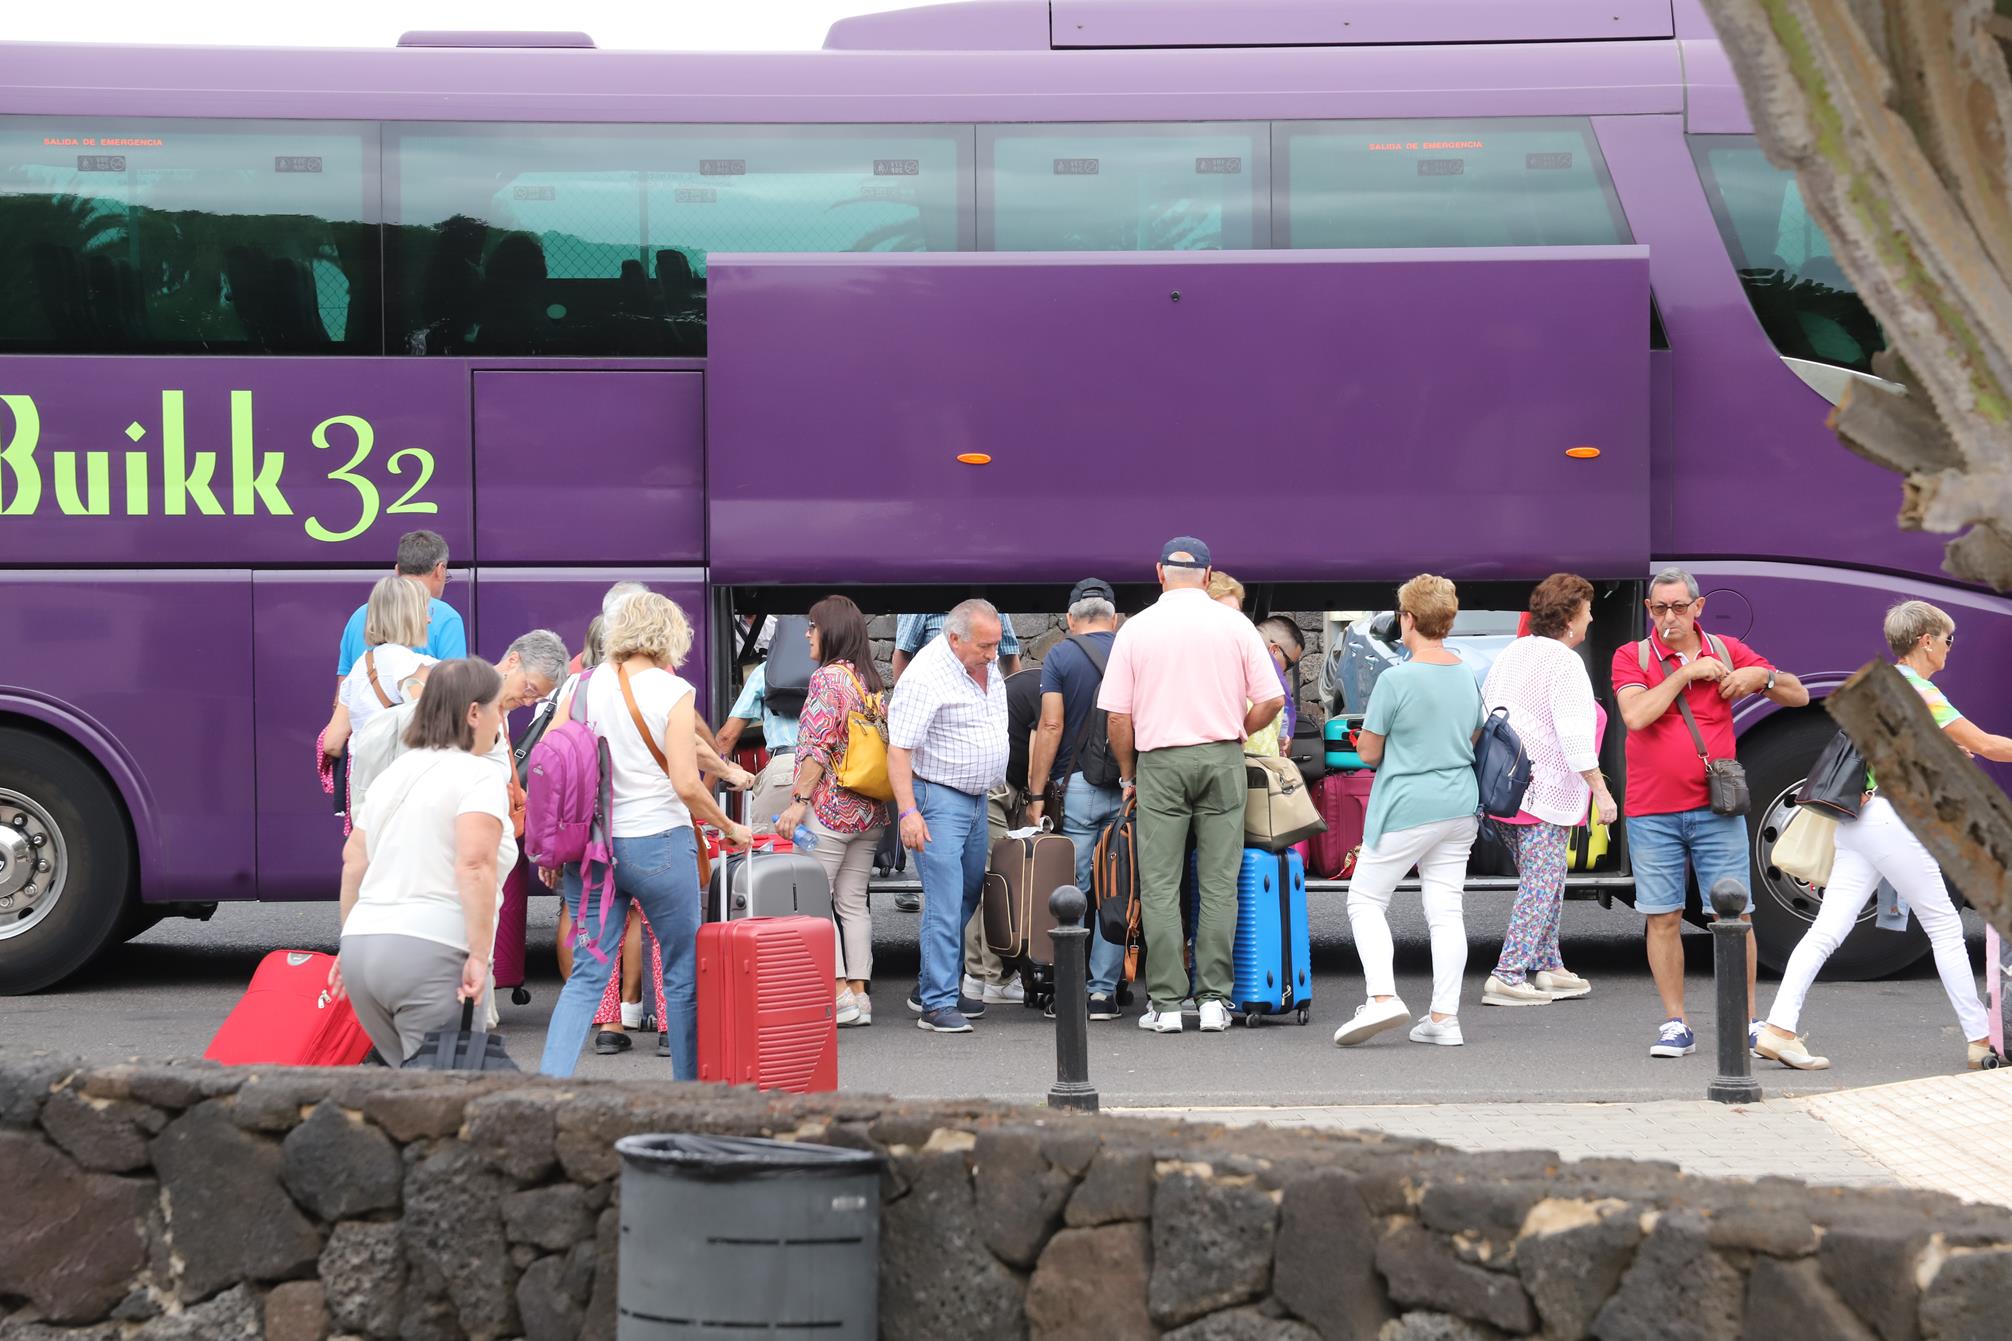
66 862
1777 761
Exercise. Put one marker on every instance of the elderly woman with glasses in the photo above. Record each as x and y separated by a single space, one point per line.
1877 846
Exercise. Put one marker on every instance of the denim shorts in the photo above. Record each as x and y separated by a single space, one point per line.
1659 846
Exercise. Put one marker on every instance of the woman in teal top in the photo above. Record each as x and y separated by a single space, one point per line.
1419 736
1876 846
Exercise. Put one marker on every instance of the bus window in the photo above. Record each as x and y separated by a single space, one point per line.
593 239
1804 302
1525 182
166 236
1123 187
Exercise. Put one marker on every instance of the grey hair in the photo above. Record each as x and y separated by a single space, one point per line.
1910 621
1670 577
420 552
958 621
618 593
541 652
1093 607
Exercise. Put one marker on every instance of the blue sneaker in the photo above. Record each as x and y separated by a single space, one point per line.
943 1022
969 1006
1674 1039
1753 1039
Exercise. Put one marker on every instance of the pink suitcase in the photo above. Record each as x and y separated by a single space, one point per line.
767 1010
1997 965
507 957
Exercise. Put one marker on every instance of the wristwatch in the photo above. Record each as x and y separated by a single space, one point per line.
1770 681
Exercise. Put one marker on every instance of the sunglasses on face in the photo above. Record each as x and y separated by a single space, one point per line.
1670 607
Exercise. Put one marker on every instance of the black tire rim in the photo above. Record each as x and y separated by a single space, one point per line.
34 863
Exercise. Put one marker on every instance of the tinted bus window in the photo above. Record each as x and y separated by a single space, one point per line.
1804 302
1123 187
593 239
1498 183
123 236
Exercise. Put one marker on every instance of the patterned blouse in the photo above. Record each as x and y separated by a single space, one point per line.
832 695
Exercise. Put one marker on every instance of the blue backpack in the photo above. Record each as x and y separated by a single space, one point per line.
1501 766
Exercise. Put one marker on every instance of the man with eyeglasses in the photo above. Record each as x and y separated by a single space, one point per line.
1670 821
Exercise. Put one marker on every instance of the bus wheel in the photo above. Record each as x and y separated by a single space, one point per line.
66 864
1784 906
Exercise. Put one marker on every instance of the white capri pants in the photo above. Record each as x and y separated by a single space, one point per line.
1440 852
1877 844
847 859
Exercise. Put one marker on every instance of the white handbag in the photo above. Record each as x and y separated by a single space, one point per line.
1807 847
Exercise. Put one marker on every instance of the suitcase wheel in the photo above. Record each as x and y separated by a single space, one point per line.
519 997
1992 1061
1251 1018
1304 1015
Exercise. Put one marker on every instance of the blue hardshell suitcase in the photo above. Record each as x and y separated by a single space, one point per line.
1339 737
1274 956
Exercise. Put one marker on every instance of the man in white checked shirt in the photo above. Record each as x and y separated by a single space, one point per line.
946 730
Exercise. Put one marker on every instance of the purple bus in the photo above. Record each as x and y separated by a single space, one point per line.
980 298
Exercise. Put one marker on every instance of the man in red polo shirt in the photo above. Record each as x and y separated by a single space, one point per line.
1670 820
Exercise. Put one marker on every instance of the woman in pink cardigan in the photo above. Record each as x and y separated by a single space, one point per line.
1544 684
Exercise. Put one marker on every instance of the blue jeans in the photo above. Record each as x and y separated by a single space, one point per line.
1659 845
952 866
660 873
1085 811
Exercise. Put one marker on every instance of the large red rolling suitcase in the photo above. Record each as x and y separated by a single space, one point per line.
767 1014
1343 800
287 1019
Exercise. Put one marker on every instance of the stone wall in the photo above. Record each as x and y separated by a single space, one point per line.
195 1203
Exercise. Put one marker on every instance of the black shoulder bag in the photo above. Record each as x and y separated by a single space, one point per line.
1836 782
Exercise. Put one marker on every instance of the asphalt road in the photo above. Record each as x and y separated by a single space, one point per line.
164 994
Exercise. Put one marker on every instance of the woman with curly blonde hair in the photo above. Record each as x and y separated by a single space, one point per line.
643 709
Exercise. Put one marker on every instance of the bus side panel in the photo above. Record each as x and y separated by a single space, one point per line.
298 620
157 663
623 448
513 601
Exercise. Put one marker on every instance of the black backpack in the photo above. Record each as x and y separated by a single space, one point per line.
1092 755
786 679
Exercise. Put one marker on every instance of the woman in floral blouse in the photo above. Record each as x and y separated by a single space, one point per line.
846 823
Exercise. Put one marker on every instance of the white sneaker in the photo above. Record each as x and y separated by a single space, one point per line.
974 987
1215 1017
1159 1021
1562 984
1371 1018
1495 992
1012 993
1446 1033
1792 1052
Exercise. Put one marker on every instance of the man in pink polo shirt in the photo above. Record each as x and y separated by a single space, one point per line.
1176 688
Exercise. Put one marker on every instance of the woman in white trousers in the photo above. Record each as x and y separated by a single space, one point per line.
1876 846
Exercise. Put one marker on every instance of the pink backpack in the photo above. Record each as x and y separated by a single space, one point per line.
568 799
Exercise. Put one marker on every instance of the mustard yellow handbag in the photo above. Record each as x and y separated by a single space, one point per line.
862 767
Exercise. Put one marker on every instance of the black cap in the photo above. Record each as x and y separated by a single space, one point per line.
1092 588
1197 552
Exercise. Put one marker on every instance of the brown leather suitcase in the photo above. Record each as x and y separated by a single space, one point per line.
1021 875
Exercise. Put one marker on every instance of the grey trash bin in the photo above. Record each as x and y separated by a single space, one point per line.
727 1236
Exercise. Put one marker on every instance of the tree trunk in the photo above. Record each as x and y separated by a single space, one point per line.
1897 118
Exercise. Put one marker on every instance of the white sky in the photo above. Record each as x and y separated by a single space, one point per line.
675 25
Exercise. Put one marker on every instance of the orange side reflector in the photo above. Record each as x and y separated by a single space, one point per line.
975 458
1582 453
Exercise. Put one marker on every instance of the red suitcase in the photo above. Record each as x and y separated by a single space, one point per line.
506 958
1343 799
767 1016
286 1018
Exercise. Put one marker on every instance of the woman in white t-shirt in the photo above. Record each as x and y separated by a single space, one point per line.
390 671
644 711
422 870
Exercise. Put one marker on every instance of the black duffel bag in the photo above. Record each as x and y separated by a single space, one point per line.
463 1049
1836 782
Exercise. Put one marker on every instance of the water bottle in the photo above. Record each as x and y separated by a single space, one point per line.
804 839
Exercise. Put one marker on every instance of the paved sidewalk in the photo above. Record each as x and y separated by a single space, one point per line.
1717 1140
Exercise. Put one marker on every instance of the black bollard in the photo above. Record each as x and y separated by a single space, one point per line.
1735 1083
1072 1087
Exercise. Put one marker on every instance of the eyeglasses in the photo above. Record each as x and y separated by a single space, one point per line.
1671 607
1948 639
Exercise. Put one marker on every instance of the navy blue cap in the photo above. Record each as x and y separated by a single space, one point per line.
1092 588
1197 553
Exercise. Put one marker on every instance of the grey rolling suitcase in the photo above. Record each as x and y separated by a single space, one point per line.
767 884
